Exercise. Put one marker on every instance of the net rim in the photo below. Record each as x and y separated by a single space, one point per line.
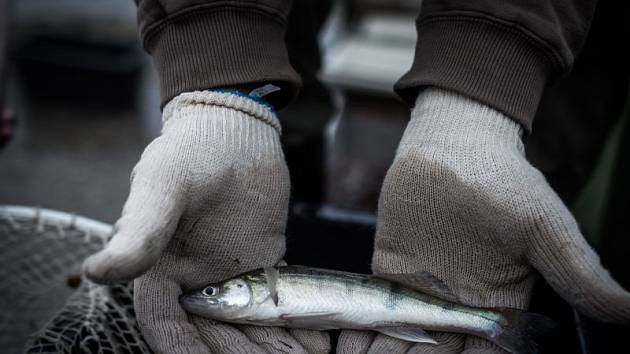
94 227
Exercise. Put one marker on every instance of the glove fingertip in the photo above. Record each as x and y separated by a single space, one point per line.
93 268
107 267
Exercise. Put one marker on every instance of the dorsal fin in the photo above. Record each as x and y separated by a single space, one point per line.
424 282
272 274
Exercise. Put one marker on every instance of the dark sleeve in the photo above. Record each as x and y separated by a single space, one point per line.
201 44
499 52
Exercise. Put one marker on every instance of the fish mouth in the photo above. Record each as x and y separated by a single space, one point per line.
197 303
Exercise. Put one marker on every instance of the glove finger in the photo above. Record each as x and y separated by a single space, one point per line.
355 342
562 255
448 343
149 218
163 323
477 345
386 344
274 340
315 342
223 338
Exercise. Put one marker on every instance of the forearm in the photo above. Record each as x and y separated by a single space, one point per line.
501 53
198 44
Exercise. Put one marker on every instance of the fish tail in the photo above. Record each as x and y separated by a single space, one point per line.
520 330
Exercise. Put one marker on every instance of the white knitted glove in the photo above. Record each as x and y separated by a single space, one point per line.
208 200
462 202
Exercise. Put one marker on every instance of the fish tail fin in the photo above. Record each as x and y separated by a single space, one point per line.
521 329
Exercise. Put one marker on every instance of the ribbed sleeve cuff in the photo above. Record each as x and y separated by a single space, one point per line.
221 47
490 62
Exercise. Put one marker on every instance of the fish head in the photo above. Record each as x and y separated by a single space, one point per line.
224 301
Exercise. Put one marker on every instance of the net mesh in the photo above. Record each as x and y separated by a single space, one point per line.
44 302
96 319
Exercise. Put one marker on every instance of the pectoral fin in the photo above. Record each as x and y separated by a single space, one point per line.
272 275
410 334
312 320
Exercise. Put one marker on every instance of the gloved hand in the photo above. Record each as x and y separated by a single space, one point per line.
462 202
208 200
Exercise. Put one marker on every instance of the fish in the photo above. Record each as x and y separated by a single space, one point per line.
323 299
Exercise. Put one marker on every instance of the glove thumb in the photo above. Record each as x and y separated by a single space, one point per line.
572 268
149 219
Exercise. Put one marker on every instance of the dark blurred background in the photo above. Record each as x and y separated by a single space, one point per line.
79 101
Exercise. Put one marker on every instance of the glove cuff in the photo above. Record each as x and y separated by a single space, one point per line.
443 117
183 105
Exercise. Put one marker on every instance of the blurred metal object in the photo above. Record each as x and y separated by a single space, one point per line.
373 56
68 44
304 120
360 147
95 35
104 22
361 64
106 59
389 4
358 10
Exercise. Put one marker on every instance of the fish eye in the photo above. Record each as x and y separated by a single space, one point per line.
209 291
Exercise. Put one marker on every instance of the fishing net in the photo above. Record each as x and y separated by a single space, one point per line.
96 319
45 304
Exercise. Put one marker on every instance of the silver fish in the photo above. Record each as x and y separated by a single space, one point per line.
302 297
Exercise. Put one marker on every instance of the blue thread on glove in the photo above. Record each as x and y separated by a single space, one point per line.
257 99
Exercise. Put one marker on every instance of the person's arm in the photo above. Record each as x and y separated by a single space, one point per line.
460 200
209 197
500 53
